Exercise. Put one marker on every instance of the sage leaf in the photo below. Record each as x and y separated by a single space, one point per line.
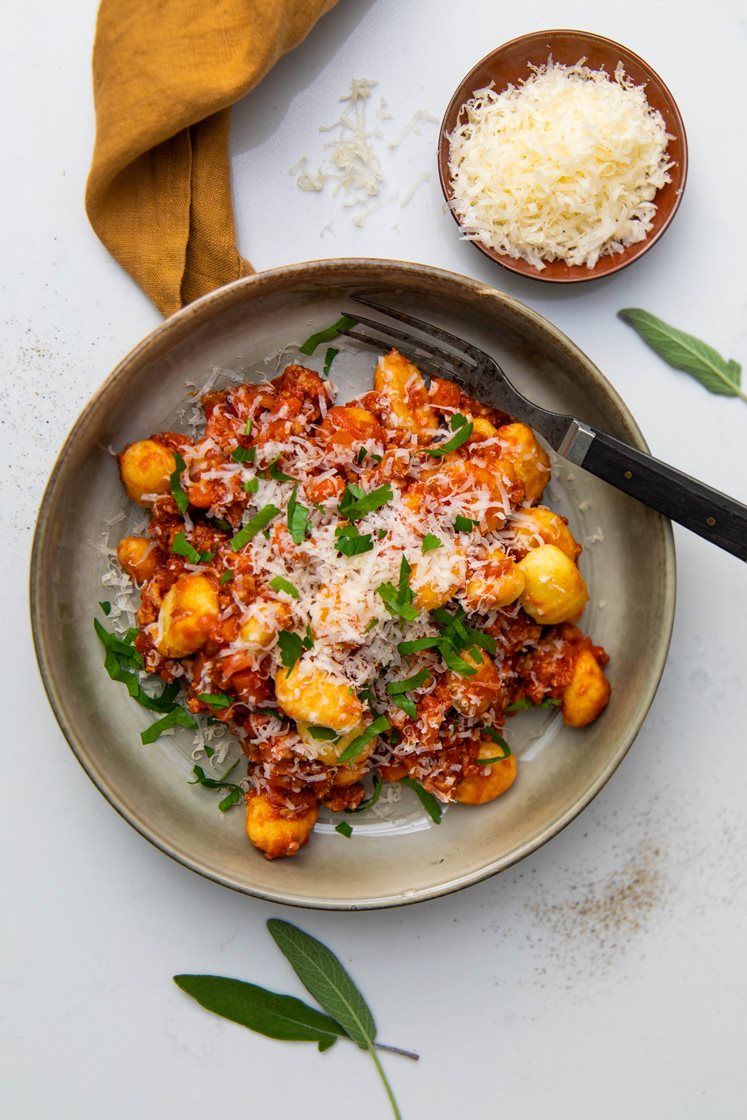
323 975
268 1013
686 352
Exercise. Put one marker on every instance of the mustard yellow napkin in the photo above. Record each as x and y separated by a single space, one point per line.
165 74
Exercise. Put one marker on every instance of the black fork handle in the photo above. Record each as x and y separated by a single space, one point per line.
707 512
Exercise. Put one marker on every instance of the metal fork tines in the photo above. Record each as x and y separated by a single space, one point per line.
439 353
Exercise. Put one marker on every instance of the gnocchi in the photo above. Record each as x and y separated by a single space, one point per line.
360 589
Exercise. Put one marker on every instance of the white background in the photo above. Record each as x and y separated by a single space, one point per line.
603 976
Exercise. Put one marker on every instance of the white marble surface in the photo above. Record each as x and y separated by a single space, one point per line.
603 976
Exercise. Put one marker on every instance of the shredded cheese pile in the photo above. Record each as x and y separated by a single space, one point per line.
564 166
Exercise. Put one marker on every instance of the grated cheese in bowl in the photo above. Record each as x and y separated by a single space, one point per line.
563 167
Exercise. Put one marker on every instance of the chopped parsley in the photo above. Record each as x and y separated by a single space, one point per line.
370 801
464 524
323 734
398 600
235 793
356 503
177 717
429 802
292 646
298 518
329 358
362 452
244 454
227 576
280 584
106 606
525 702
352 543
175 483
251 486
215 699
463 430
394 688
180 546
326 335
354 748
256 525
344 829
431 542
274 472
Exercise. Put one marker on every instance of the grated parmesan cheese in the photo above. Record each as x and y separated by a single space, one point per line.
564 166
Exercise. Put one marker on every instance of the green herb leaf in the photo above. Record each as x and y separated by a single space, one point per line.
244 454
458 421
325 734
227 576
686 352
177 717
525 702
251 486
500 741
248 427
123 647
464 524
362 452
369 803
418 644
235 792
233 797
394 688
344 829
462 435
280 584
175 484
372 623
407 704
355 503
453 661
430 542
431 805
215 699
115 662
326 335
267 514
275 473
323 975
393 603
180 546
354 748
267 1013
329 358
308 640
298 518
291 648
106 606
350 542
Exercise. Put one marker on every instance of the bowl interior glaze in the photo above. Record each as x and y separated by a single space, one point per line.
405 858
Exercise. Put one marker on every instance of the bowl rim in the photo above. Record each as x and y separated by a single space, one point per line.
184 321
519 266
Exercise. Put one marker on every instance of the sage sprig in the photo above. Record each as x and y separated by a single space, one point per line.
345 1012
688 353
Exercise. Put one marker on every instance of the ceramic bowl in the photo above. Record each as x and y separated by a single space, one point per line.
400 857
510 64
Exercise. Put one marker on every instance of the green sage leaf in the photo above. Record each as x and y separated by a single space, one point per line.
686 352
325 978
267 1013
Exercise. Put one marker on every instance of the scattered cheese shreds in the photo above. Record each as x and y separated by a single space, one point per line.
563 167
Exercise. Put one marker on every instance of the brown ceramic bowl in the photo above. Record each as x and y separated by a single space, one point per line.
510 64
402 857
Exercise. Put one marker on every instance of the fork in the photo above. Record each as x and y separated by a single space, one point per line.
707 512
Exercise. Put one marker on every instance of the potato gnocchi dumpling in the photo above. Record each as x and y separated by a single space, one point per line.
361 592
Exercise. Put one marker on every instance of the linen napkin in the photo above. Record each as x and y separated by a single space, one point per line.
165 74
